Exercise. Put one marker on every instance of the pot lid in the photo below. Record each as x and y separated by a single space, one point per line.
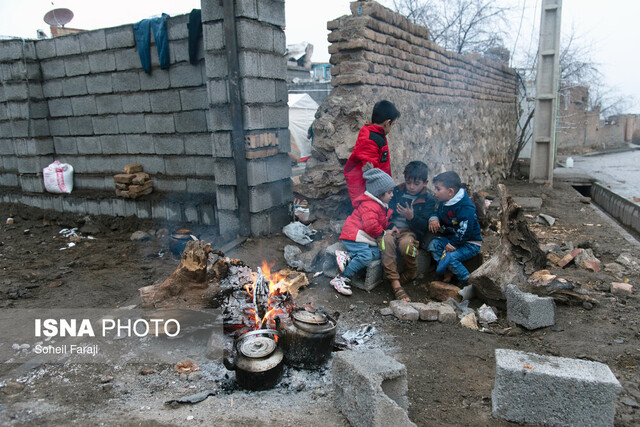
257 347
313 318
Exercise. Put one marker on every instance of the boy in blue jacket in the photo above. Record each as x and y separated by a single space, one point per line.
456 218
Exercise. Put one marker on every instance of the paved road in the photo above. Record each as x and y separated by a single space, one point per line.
619 172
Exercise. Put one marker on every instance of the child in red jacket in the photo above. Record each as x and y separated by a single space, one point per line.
371 147
362 228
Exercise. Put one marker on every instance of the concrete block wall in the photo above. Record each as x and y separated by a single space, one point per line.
262 72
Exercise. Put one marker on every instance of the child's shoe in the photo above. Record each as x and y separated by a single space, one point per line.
443 263
342 258
340 285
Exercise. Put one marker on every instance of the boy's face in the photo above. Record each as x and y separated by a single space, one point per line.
415 186
386 197
387 125
442 193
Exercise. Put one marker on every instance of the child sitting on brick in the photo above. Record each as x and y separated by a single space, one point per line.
361 229
412 207
456 218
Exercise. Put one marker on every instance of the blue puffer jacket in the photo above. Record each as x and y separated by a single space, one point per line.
458 217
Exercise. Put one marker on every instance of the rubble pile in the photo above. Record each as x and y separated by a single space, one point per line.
133 183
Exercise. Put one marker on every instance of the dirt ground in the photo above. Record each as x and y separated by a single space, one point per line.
450 368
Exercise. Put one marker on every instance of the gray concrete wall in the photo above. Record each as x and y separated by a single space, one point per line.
458 111
85 100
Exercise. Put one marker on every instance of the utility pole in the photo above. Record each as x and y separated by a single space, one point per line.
546 106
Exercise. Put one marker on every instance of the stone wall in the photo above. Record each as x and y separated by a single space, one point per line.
458 111
85 100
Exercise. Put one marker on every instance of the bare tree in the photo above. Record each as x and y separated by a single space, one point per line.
458 25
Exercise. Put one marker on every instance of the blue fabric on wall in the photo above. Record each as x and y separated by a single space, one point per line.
141 32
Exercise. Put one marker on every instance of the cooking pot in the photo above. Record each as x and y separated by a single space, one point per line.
307 338
178 240
257 360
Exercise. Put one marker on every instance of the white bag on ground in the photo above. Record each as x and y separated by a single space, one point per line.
58 178
299 233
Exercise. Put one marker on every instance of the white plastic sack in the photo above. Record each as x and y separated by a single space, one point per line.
299 233
58 178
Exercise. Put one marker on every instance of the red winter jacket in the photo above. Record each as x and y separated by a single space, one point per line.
368 221
371 146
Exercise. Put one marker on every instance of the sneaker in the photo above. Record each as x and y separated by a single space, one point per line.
340 284
342 258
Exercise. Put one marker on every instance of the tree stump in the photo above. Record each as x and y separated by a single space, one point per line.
518 255
187 287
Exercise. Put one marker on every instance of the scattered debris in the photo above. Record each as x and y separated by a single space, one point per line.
140 236
386 311
186 367
190 399
486 314
469 321
147 371
299 233
546 219
621 289
528 310
360 336
442 291
13 387
586 259
9 221
404 310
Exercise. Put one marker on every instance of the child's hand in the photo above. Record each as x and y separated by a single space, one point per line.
434 226
449 248
406 211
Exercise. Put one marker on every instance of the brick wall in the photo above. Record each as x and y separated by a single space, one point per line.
85 100
458 111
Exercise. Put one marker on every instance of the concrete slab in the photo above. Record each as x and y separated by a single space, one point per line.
529 310
548 390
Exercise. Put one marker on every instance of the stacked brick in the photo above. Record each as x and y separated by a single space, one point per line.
378 47
133 183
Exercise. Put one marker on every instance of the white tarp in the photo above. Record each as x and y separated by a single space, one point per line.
302 111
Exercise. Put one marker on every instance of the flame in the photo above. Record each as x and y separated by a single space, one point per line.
277 286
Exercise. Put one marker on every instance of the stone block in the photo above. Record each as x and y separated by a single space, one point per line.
52 88
426 312
219 119
136 102
216 65
159 123
191 122
65 145
83 105
91 41
228 222
258 90
131 123
105 125
270 221
254 35
179 166
76 66
139 144
99 83
183 75
528 310
621 289
80 125
59 127
8 180
264 116
127 59
266 196
404 310
166 101
113 144
15 91
247 9
158 80
200 145
536 389
120 37
67 45
89 145
370 388
127 81
198 185
74 86
168 144
194 99
46 48
101 62
271 12
60 107
213 35
269 169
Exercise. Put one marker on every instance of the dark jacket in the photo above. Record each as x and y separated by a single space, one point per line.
371 147
423 209
458 217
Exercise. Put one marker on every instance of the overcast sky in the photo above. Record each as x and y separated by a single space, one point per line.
611 27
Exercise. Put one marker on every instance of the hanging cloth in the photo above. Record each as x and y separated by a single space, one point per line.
195 34
141 32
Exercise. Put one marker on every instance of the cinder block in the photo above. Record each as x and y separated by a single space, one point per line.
80 125
7 147
271 12
159 123
269 195
18 110
217 91
216 65
549 390
159 79
136 102
93 207
101 62
52 88
127 59
143 209
194 99
167 101
213 35
31 183
254 35
205 166
113 144
106 207
270 221
151 164
404 310
9 163
8 180
60 107
228 222
261 116
258 90
89 145
208 214
131 123
59 127
177 27
83 105
117 205
158 210
370 388
128 81
120 37
52 68
10 50
191 121
16 91
182 75
67 45
219 119
173 212
20 128
179 166
46 48
100 83
33 164
200 145
76 66
140 144
65 145
91 41
226 198
224 171
191 214
198 185
105 125
39 110
74 86
165 145
109 104
247 9
179 51
268 169
528 310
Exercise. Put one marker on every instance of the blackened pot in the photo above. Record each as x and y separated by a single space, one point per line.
307 338
257 360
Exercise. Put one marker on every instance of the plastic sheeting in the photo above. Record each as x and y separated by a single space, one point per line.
302 111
